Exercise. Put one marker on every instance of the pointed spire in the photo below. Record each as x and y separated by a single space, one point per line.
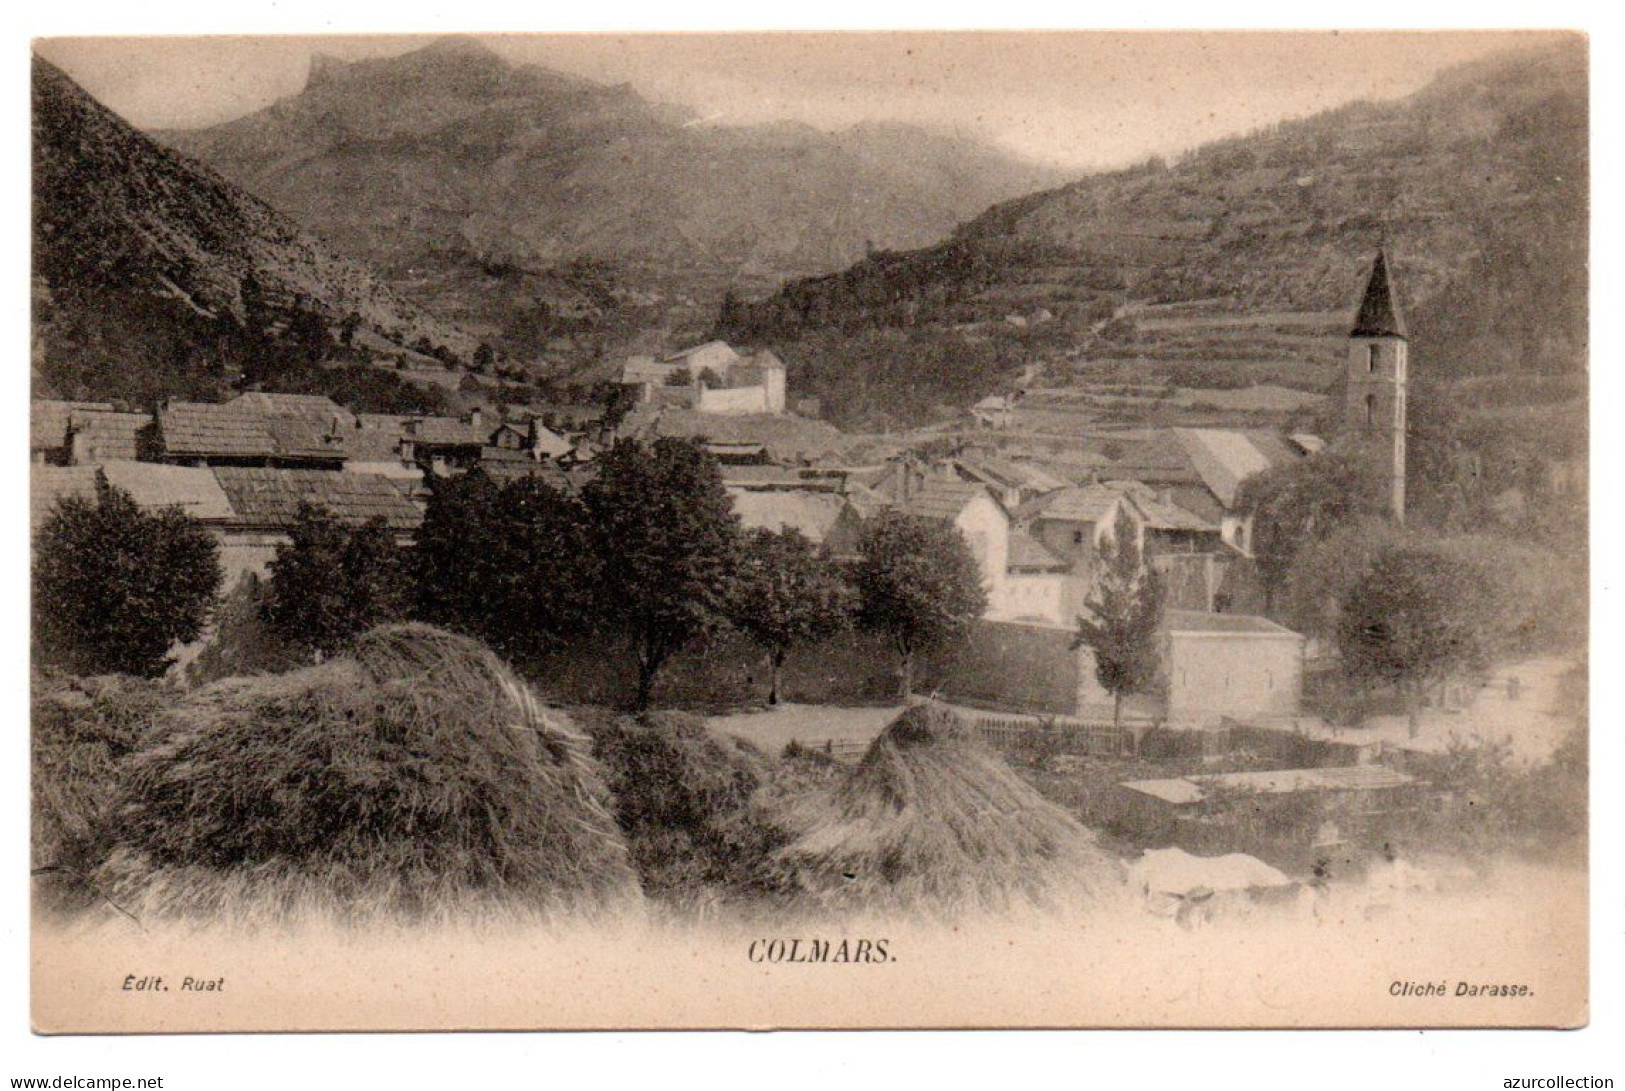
1379 311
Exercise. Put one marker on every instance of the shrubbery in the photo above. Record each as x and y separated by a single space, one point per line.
116 587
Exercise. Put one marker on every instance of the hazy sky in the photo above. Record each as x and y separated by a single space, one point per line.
1075 100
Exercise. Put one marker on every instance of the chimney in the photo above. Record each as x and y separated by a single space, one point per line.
475 418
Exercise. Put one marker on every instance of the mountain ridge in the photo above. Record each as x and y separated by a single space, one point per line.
433 163
143 257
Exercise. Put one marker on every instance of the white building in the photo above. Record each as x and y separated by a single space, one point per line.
710 378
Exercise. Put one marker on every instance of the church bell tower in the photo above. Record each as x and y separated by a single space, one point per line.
1377 378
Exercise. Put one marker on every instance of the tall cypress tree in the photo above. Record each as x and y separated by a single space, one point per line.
1125 613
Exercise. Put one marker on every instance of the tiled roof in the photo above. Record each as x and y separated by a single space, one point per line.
444 432
1379 314
155 485
548 442
152 485
197 428
814 514
489 453
238 430
271 497
1027 552
49 484
1197 621
1078 504
786 437
1223 458
1277 449
866 501
1161 514
505 469
109 435
387 422
943 499
764 477
1308 442
48 421
316 408
694 350
372 445
297 438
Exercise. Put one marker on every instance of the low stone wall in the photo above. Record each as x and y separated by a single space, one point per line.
1001 665
1013 666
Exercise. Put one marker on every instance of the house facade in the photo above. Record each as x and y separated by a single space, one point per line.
1230 665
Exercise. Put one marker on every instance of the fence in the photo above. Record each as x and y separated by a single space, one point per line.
1137 738
845 751
1065 733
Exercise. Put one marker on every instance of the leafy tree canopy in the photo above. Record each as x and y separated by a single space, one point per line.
330 581
787 592
918 583
669 540
1304 502
116 587
514 564
1415 617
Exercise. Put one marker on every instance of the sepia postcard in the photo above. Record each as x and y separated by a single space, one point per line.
810 530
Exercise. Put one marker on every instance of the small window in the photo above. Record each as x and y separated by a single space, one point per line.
1370 410
1077 537
1372 355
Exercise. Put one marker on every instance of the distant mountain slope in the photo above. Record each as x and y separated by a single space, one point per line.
1477 185
149 267
529 203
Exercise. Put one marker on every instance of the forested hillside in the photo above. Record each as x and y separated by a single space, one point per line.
1246 251
153 276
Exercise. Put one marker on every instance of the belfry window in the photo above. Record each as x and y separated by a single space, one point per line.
1372 355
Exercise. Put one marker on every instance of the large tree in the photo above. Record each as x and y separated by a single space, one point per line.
1304 502
1416 617
668 538
546 569
1124 617
515 565
116 587
917 583
454 553
330 581
787 592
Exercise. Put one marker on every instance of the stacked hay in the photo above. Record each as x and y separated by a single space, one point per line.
686 801
415 778
932 820
82 731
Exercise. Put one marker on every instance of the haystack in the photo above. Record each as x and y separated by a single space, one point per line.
685 799
414 778
82 730
932 820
